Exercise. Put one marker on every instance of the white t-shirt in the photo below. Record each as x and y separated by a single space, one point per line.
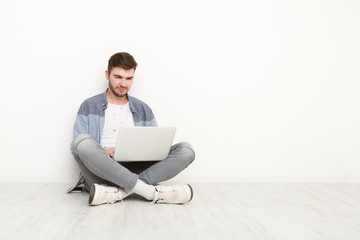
116 116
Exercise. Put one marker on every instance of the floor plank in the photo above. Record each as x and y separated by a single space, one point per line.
218 211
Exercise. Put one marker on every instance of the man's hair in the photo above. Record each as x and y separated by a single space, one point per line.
123 60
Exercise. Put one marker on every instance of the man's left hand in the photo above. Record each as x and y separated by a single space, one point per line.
110 151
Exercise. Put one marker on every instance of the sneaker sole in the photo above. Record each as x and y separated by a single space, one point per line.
192 192
92 194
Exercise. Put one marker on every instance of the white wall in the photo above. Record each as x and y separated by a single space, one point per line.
264 90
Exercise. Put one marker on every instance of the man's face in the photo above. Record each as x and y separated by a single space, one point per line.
120 80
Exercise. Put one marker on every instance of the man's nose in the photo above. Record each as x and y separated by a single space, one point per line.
122 82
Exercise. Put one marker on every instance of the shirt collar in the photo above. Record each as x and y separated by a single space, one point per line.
105 102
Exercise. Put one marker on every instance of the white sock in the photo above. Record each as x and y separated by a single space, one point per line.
143 189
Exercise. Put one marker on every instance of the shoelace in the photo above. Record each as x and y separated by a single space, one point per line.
164 196
113 198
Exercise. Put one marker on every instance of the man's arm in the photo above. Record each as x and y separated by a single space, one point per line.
81 125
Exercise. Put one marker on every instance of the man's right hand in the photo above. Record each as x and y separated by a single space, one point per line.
110 151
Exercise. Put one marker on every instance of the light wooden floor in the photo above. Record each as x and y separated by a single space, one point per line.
218 211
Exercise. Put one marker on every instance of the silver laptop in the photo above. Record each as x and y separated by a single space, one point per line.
144 143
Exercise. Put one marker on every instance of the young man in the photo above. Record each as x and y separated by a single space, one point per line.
95 132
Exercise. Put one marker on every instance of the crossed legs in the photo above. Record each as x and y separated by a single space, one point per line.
98 167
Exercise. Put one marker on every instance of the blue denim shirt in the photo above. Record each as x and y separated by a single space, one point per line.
90 118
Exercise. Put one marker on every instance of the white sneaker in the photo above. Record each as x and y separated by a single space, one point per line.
101 194
176 194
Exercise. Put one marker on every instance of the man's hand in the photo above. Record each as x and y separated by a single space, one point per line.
110 151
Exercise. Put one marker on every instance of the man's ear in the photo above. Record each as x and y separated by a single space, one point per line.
107 74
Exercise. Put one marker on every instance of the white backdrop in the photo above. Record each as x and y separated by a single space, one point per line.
264 90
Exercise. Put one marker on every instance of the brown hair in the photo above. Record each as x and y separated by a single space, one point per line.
123 60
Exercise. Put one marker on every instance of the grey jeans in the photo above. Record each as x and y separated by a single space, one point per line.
98 167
